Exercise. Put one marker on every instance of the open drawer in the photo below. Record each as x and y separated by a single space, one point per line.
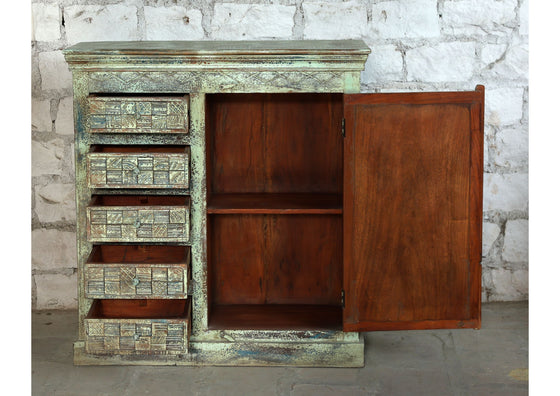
138 114
138 218
137 271
115 166
138 327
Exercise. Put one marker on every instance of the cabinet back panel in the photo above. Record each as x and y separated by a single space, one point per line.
275 259
282 143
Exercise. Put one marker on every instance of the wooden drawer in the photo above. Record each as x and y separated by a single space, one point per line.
138 167
123 114
146 327
137 271
138 218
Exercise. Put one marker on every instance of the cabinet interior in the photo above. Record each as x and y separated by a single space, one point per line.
274 179
111 148
138 309
138 254
138 200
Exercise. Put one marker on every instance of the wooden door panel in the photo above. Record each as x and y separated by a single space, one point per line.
412 219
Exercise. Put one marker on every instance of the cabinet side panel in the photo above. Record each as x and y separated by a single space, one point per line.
407 262
83 193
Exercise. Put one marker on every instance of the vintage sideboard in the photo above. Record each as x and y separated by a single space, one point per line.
241 203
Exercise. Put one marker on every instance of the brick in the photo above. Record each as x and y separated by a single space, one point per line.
54 71
491 53
516 247
56 291
41 115
512 148
334 20
47 157
506 192
45 22
508 285
513 63
482 17
524 18
173 23
490 233
405 19
444 62
385 63
100 23
504 106
53 249
65 117
55 202
252 21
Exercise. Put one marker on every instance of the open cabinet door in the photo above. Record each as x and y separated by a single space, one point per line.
413 166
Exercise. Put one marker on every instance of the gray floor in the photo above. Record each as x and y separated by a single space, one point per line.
490 361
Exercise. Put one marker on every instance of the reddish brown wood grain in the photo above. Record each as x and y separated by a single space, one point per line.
274 143
275 203
145 254
275 259
276 317
138 200
137 149
410 211
138 309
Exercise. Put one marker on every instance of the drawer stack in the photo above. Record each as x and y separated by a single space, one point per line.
138 223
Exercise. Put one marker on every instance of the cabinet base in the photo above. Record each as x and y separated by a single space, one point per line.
300 354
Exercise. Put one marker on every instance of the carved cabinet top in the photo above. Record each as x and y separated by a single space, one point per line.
341 55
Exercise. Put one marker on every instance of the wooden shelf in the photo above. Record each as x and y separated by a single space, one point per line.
275 317
273 203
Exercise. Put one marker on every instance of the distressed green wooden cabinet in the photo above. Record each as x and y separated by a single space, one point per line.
240 203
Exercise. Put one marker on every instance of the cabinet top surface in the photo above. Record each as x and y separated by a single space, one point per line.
265 47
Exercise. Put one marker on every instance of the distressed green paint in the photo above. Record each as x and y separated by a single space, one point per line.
196 69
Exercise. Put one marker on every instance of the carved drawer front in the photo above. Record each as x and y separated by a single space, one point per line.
137 271
145 327
138 114
138 219
138 170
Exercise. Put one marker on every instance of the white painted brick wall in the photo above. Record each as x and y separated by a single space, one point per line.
54 71
41 115
65 117
233 21
516 248
506 192
441 62
56 291
45 22
55 202
472 17
335 20
490 233
405 19
53 249
416 45
100 23
512 148
173 23
504 106
47 157
385 63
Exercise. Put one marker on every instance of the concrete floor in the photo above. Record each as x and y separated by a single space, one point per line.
490 361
